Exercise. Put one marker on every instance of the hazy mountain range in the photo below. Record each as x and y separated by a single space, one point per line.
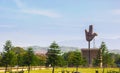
38 49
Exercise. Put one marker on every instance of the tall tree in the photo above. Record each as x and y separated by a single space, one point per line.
29 58
7 55
103 52
106 56
53 55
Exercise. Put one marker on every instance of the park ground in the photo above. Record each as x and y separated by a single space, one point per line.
70 70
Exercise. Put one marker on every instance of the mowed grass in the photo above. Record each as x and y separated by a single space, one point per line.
81 70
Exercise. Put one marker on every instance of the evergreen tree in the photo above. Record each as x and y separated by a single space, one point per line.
7 55
53 55
106 56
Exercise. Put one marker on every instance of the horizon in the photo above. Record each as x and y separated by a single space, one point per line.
40 22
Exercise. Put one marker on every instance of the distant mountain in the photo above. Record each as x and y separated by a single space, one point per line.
43 50
66 49
116 51
38 49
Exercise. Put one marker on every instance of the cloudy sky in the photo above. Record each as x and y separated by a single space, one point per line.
39 22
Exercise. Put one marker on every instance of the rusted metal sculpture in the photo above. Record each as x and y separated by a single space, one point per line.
89 37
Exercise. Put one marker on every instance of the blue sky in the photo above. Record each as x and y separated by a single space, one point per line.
39 22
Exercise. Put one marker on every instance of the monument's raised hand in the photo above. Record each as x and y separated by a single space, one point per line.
89 34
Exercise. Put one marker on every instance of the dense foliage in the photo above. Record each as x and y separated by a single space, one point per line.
107 58
17 56
53 56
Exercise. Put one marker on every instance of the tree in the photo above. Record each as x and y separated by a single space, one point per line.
19 52
84 62
77 59
107 60
96 61
7 55
53 55
106 56
29 58
61 62
40 59
104 48
118 62
117 59
73 58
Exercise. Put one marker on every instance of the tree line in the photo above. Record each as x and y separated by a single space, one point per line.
12 56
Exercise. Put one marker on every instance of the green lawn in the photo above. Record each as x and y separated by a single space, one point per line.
81 70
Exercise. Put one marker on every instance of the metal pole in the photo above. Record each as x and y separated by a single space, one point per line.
89 54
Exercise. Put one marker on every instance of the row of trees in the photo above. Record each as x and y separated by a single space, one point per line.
17 56
71 59
108 59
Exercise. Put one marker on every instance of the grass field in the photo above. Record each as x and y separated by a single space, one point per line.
81 70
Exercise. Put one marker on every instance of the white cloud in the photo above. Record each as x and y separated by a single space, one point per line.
48 13
42 12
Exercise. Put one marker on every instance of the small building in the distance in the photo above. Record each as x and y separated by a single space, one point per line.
93 54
